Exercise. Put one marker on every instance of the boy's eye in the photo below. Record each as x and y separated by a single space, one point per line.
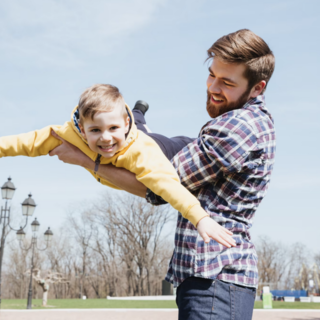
114 128
95 130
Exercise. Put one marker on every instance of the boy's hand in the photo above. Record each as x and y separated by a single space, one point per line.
68 153
208 228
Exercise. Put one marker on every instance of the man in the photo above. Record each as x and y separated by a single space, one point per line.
228 167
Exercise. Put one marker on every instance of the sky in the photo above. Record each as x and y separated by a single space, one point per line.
50 51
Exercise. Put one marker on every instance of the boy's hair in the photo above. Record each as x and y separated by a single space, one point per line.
244 46
100 97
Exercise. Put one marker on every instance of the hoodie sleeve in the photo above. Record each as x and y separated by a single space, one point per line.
154 170
32 144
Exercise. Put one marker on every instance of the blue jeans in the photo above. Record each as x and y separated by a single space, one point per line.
205 299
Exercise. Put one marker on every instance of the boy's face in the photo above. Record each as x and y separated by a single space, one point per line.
105 134
228 88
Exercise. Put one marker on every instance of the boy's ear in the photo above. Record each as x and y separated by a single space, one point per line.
82 131
127 125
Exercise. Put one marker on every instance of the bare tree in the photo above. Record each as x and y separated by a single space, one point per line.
316 272
297 276
82 228
15 266
116 247
282 266
136 229
273 261
60 258
44 282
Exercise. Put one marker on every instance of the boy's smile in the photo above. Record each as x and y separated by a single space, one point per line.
106 132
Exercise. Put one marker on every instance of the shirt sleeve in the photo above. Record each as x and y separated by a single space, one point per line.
146 160
221 149
32 144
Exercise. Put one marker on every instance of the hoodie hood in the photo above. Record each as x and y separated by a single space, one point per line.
130 136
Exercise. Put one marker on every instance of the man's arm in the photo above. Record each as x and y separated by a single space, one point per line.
221 149
120 177
127 181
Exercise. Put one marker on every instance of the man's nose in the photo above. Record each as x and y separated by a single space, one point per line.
214 87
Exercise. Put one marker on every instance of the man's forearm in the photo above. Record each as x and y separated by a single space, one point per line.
120 177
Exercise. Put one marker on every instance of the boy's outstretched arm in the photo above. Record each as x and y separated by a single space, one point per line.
32 144
127 181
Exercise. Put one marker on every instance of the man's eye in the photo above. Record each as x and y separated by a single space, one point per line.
211 75
228 84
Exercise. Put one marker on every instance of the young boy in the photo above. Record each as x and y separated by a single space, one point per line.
102 126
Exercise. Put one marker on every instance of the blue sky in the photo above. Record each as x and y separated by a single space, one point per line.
155 50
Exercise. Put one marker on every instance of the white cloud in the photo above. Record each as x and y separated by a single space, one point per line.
62 32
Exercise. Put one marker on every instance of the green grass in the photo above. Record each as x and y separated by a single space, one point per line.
87 304
104 303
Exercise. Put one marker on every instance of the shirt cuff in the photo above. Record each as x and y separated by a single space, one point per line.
195 214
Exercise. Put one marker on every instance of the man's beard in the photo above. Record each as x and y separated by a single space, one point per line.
215 111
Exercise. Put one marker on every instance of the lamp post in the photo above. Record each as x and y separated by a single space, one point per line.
28 206
21 236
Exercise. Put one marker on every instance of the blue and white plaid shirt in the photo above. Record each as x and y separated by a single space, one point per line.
228 168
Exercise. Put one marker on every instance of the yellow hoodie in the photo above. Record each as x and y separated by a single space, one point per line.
140 155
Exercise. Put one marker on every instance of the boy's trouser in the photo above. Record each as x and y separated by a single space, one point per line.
169 146
205 299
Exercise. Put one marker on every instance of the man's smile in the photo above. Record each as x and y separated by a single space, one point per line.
216 100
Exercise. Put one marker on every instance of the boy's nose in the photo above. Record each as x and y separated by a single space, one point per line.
105 137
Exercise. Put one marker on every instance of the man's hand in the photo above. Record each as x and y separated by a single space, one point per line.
119 177
68 153
208 228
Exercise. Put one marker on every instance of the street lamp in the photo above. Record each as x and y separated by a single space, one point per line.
28 206
21 236
7 190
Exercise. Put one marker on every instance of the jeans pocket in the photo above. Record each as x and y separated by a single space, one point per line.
242 302
195 299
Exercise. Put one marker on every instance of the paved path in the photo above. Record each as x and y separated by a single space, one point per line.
284 314
145 314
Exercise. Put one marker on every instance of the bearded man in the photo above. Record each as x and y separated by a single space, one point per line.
228 168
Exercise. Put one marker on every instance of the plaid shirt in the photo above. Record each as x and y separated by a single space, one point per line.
228 168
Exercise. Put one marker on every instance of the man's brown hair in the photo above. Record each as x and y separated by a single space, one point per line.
100 97
244 46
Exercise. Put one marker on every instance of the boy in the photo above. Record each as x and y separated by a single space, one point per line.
102 127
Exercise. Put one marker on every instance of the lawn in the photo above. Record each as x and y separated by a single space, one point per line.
104 303
87 304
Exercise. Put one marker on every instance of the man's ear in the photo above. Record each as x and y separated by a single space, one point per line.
127 125
82 131
257 89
